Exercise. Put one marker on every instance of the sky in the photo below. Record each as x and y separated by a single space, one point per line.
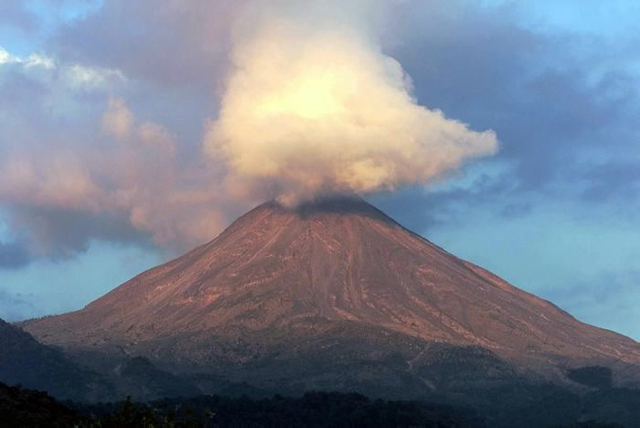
504 131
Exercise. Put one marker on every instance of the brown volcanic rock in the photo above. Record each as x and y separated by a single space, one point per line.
322 288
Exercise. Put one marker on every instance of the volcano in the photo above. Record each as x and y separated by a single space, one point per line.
336 295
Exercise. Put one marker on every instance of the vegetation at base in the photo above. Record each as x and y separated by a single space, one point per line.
314 409
25 408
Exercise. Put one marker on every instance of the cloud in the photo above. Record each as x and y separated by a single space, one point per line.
103 164
15 14
560 102
617 180
184 43
76 164
480 65
135 187
59 182
73 75
117 121
81 76
309 110
13 255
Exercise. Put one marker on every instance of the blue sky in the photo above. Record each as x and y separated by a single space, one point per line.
555 211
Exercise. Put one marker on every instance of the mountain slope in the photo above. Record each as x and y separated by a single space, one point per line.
25 361
300 297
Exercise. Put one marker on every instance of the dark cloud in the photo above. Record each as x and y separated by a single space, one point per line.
611 181
551 98
62 233
422 210
536 90
516 210
15 14
174 56
13 255
169 42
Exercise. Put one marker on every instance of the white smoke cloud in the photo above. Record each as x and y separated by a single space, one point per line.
73 75
315 109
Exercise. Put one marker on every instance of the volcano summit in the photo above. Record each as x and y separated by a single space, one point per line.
337 295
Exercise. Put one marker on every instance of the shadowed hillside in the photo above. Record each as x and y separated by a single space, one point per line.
25 361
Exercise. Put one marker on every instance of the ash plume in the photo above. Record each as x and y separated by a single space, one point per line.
319 109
